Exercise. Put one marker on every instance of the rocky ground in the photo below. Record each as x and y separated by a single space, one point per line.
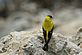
31 43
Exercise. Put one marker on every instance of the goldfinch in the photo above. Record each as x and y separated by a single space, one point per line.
48 27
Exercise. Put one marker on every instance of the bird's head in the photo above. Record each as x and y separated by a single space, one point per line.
48 18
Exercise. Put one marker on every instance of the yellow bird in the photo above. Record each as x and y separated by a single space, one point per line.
48 27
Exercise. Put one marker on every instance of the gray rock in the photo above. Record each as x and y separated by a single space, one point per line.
31 43
77 39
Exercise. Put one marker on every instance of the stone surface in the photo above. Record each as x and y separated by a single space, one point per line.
31 43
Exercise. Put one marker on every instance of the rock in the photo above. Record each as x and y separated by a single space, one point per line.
29 7
31 43
20 17
17 21
80 53
77 39
65 30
